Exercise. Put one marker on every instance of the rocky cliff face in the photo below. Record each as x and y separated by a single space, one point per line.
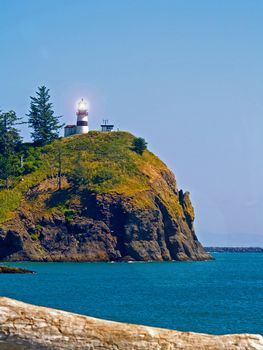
28 327
141 215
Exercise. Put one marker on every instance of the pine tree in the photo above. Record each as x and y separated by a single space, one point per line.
42 119
10 141
9 135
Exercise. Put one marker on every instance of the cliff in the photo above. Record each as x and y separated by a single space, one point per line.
28 327
113 204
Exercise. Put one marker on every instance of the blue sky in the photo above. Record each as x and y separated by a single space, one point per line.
186 75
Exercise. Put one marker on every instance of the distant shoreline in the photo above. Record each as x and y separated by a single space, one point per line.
234 249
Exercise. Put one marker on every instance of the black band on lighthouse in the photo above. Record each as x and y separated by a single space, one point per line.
82 123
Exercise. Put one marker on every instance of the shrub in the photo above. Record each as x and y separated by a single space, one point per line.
38 227
69 215
35 236
139 145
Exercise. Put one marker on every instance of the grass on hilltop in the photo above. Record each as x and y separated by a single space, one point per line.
108 159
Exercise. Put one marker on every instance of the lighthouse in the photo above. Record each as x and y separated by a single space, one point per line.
82 117
82 126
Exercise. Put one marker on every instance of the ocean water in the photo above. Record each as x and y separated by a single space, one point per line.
220 296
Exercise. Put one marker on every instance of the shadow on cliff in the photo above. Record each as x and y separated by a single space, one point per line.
109 210
58 198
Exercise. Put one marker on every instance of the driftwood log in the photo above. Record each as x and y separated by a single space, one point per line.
27 327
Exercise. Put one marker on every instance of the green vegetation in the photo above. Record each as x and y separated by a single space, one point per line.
79 176
9 199
95 162
9 144
17 159
38 228
139 145
41 119
35 236
53 174
59 170
69 215
36 232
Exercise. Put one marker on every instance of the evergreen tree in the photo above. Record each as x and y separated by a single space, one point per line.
41 119
9 166
139 145
10 141
9 135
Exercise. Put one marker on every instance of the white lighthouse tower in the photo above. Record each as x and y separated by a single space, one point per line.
82 117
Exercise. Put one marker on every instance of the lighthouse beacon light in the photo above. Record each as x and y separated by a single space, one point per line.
82 105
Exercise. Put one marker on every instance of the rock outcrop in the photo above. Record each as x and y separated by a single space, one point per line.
129 209
28 327
9 269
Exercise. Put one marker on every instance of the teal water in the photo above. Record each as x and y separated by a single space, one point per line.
220 296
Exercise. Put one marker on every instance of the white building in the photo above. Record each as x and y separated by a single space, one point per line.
105 126
82 126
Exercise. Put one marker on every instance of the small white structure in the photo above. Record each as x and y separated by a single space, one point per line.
82 126
105 126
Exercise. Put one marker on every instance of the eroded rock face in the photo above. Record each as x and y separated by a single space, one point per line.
105 228
156 223
28 327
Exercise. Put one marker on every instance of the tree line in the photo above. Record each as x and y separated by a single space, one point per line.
44 125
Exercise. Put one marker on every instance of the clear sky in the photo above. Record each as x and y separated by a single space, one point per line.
186 75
